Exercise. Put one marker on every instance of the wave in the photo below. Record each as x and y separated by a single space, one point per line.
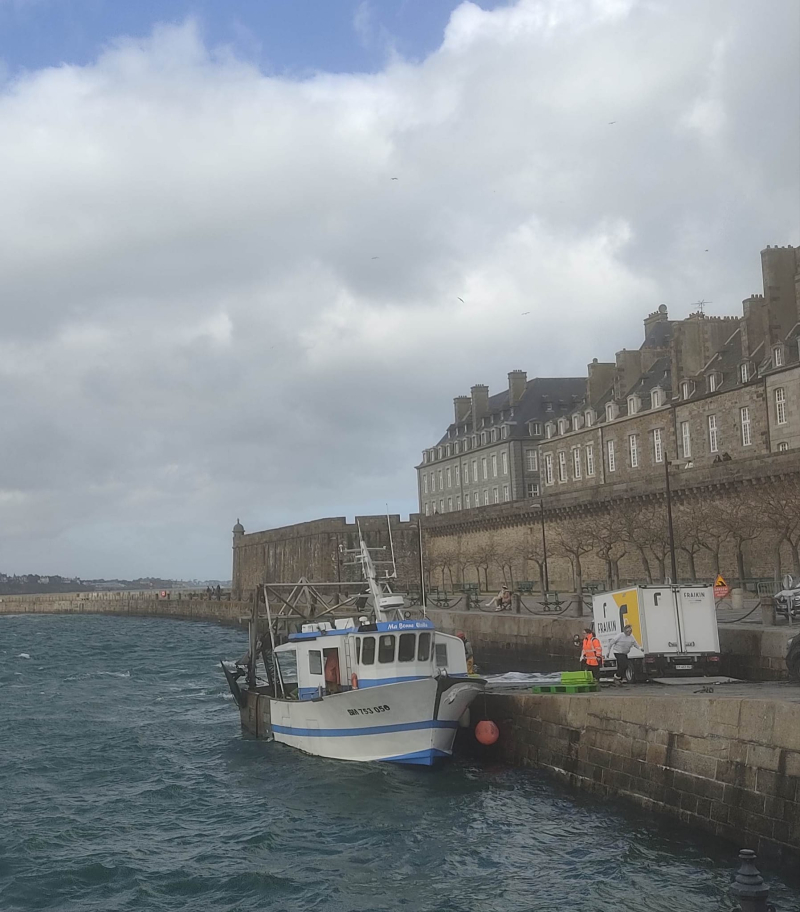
23 655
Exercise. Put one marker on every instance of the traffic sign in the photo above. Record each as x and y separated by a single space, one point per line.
721 588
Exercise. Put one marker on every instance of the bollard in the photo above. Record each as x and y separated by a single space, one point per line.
737 599
768 616
517 603
748 885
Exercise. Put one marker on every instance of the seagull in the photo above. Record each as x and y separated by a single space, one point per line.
461 299
395 178
524 313
611 123
375 258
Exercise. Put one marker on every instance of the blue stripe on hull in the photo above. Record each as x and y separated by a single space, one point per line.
419 758
370 730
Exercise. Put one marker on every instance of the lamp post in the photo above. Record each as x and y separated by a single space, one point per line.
546 579
669 518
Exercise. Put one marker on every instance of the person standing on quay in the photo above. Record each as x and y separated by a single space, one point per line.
591 653
619 647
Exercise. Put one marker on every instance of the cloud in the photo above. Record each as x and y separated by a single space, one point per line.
217 302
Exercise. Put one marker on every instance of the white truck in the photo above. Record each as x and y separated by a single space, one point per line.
675 625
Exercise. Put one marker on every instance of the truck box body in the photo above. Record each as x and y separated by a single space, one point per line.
675 625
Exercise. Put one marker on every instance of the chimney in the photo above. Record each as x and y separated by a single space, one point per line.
480 404
517 382
461 405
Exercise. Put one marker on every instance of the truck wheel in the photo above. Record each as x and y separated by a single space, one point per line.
633 673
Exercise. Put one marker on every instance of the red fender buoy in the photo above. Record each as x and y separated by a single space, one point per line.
354 681
487 732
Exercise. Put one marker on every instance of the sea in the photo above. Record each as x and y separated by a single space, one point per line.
126 783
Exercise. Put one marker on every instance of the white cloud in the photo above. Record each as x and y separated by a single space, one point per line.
218 303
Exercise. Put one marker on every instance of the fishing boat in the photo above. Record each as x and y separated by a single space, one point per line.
384 686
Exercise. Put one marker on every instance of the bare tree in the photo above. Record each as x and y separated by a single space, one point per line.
780 513
530 548
689 528
574 539
484 557
740 516
610 536
634 522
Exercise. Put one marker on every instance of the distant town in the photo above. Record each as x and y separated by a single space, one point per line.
34 583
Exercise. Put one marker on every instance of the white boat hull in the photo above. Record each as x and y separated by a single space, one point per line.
411 722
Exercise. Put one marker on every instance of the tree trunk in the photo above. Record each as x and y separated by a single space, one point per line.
692 568
795 556
615 572
609 574
717 570
740 563
645 565
578 574
662 569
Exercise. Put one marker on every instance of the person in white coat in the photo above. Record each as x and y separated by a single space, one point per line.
619 647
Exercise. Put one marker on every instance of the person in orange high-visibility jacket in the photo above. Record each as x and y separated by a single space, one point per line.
591 653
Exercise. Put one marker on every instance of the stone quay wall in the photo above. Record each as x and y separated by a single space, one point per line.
533 643
728 766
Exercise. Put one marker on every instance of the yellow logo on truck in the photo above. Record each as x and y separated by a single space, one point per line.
628 605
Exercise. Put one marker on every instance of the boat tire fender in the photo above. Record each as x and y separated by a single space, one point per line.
354 681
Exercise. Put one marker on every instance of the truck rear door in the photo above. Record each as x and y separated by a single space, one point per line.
660 634
698 620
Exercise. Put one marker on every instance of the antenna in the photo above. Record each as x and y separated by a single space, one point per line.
700 305
391 543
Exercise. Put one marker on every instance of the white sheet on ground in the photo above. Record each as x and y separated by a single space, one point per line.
520 679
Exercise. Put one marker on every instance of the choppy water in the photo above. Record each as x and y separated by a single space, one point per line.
126 784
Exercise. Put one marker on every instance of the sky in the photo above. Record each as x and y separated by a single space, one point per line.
249 252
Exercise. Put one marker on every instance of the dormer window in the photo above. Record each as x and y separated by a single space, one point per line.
536 429
562 425
549 430
484 438
744 372
588 417
634 404
504 431
494 435
425 456
455 448
655 398
576 422
687 388
439 453
713 382
447 450
611 411
777 356
474 441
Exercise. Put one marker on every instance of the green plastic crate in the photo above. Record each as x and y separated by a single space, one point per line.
564 688
577 677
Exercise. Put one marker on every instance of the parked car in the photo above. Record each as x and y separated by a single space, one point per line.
793 658
786 600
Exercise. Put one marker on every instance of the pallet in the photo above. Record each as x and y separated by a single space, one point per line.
564 688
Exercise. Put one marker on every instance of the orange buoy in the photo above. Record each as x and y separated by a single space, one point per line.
354 681
487 732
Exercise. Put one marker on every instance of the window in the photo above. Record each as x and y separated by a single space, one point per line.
386 648
590 460
589 418
441 484
783 446
474 441
484 467
495 495
441 506
449 477
504 462
633 447
486 497
658 446
612 460
536 429
686 439
494 435
533 489
548 468
744 372
457 475
548 431
506 495
427 508
438 452
777 356
465 467
483 438
746 433
368 651
475 478
424 648
494 465
562 425
780 405
562 466
504 431
713 439
633 405
424 484
576 462
447 450
466 501
576 422
686 389
455 448
609 411
458 502
655 398
441 655
315 661
532 459
407 647
712 383
449 504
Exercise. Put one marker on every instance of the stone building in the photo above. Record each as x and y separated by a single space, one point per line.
488 455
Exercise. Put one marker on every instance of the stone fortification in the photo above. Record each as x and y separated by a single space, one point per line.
316 550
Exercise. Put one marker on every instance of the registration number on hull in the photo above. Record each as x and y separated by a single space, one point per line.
684 667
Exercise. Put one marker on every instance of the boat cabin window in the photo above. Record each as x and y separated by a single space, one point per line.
287 665
368 651
386 648
358 650
441 655
314 662
406 647
424 652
